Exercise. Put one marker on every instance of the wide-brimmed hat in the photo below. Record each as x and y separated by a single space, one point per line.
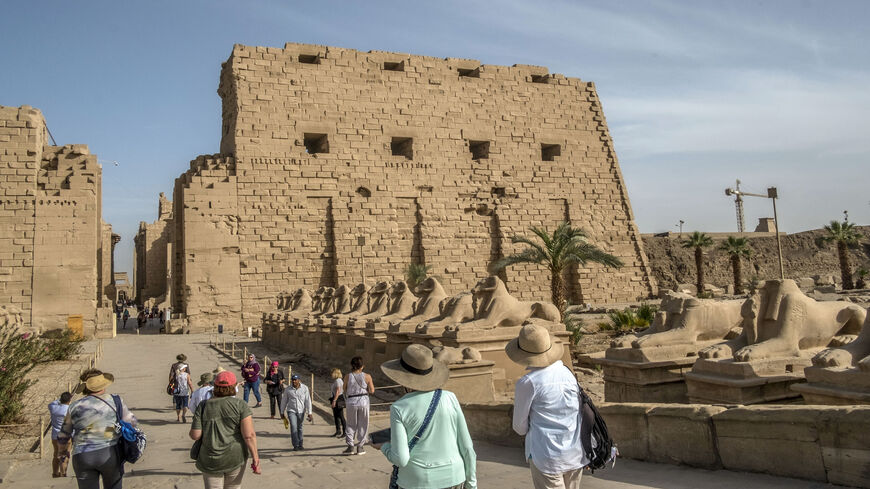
218 370
99 382
205 378
417 369
534 347
181 357
225 379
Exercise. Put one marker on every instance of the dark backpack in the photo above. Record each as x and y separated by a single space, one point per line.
593 427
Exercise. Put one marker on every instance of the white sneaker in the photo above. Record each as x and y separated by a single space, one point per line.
361 451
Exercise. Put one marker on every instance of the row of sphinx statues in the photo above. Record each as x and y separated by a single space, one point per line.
427 309
777 320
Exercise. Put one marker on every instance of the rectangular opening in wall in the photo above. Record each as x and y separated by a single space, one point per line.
549 152
402 147
540 78
498 192
316 143
469 73
479 149
310 59
394 66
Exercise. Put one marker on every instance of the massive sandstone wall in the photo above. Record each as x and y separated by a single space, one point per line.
153 243
435 161
54 247
802 257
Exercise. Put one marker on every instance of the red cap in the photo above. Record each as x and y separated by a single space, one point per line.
274 364
225 378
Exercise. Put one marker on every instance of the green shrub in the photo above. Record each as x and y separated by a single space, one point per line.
415 274
628 318
574 326
60 345
18 355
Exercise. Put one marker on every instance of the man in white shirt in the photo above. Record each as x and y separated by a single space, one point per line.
57 409
205 391
295 404
547 410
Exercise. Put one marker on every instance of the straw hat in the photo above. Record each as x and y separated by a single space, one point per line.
205 378
99 382
181 357
417 369
217 370
534 347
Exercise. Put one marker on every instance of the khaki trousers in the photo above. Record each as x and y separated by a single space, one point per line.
565 480
227 480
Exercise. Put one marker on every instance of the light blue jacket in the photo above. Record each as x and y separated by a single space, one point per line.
444 455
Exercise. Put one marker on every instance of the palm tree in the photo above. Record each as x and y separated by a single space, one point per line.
565 247
699 241
845 235
415 274
736 248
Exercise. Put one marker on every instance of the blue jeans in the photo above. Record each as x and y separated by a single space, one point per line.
296 422
255 386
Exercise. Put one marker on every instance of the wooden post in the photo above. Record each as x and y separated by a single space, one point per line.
244 354
69 386
41 437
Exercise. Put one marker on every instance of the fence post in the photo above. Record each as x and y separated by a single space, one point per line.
244 354
41 437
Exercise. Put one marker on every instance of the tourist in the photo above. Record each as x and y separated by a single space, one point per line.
251 374
547 410
181 393
358 387
57 410
125 317
295 404
274 387
205 391
338 403
225 425
180 362
429 444
90 424
140 319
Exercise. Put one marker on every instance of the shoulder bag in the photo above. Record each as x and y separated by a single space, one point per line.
131 443
394 478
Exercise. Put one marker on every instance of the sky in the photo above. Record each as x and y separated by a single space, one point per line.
696 93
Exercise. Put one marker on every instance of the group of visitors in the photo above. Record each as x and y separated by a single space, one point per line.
428 441
144 314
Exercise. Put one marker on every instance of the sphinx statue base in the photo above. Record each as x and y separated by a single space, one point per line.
841 386
655 374
760 381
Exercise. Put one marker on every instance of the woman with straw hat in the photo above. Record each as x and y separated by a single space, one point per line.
429 444
547 410
92 418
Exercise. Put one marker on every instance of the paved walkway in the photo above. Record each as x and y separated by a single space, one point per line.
140 365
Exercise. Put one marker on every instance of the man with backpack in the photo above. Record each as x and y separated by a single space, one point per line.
547 410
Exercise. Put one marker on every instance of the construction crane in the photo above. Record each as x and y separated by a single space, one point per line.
738 201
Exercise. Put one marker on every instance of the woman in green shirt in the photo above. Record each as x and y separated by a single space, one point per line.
443 456
227 430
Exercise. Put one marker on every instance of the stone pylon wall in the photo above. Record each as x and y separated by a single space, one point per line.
55 251
150 254
430 160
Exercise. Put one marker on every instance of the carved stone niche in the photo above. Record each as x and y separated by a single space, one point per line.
783 330
648 366
840 375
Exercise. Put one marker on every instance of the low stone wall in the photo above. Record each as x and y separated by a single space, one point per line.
491 422
823 443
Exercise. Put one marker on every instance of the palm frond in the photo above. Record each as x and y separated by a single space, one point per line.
529 255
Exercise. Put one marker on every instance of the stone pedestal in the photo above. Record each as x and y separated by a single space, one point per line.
651 375
754 382
835 386
471 382
375 343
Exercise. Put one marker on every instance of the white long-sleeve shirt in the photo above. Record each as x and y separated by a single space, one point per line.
296 400
547 412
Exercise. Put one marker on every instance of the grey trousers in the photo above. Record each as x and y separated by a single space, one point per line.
357 425
103 463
